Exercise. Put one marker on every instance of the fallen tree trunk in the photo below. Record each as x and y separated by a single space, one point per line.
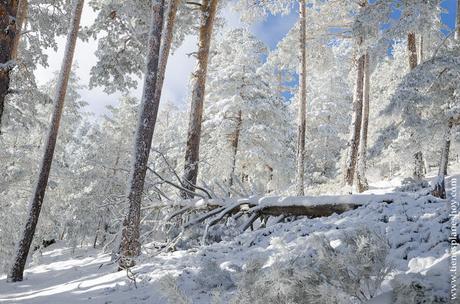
209 212
213 210
309 211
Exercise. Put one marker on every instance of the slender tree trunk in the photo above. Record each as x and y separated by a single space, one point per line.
21 16
234 142
412 49
23 247
166 47
439 189
8 36
457 29
362 184
419 167
302 123
446 149
350 165
192 150
130 244
421 53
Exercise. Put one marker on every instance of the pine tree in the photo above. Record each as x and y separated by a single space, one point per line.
246 126
192 151
130 244
361 180
8 40
300 167
352 156
16 273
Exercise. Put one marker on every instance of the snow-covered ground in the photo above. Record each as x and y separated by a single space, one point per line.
417 229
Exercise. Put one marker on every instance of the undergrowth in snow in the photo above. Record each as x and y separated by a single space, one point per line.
408 237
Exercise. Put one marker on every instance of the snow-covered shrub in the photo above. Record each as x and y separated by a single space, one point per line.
292 281
212 276
357 264
415 288
172 292
351 271
411 185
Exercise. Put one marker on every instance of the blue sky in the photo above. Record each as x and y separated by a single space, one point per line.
270 31
274 28
450 17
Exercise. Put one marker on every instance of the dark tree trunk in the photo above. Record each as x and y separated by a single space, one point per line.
130 244
8 36
302 120
166 47
192 149
21 16
350 165
419 167
23 247
412 49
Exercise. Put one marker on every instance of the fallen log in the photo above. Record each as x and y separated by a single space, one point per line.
309 211
213 211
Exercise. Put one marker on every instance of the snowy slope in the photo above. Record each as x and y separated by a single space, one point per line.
417 229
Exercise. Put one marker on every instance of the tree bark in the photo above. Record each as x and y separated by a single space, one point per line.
234 142
23 247
192 150
444 164
301 123
8 36
419 167
439 189
421 54
412 49
350 165
362 184
130 244
457 29
166 47
21 16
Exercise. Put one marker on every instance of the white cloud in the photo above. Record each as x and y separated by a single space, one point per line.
178 71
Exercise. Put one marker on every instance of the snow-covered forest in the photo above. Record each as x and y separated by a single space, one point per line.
314 158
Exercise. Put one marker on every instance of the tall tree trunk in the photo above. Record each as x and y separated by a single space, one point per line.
419 167
130 244
192 150
234 142
362 184
301 123
8 36
353 144
23 247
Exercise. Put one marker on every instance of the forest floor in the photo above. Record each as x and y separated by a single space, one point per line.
417 231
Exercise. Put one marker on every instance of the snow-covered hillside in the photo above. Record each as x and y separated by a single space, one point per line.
416 227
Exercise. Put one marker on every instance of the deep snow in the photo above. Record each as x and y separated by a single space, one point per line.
417 229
